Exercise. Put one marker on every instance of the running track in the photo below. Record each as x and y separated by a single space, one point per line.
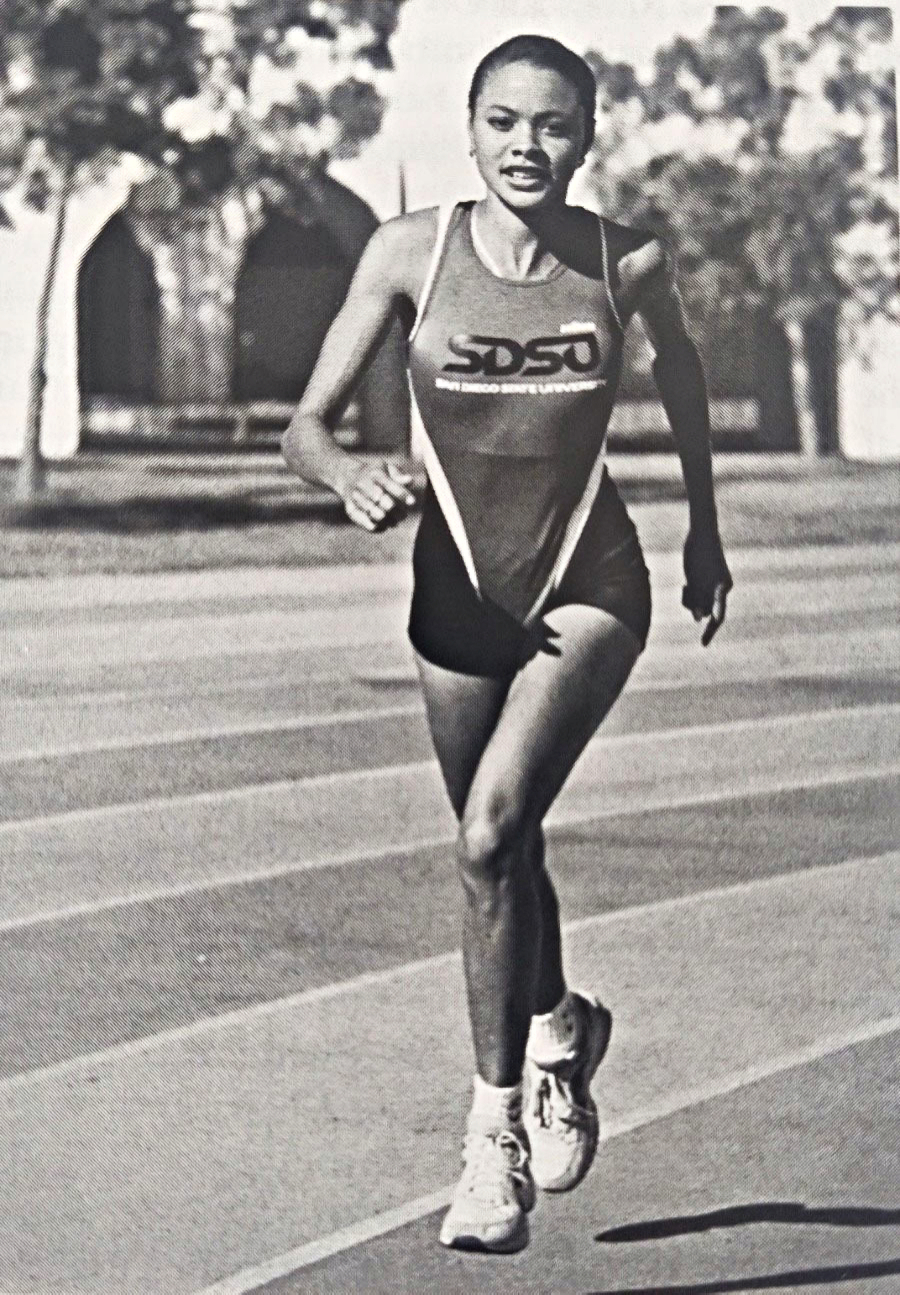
234 1049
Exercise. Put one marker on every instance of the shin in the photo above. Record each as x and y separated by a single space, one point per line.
501 935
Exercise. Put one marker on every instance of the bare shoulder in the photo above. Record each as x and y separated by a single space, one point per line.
410 229
642 257
403 247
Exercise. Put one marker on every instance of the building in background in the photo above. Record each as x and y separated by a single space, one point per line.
173 244
180 314
161 170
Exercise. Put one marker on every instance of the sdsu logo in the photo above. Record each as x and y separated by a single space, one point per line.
542 357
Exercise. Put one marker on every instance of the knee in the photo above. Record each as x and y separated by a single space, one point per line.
492 839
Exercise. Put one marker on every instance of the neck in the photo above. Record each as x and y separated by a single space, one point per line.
516 243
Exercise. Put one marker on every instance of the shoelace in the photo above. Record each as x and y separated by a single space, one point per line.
490 1162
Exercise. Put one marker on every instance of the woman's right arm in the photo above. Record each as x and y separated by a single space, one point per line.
374 495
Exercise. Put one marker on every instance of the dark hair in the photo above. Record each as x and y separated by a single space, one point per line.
543 52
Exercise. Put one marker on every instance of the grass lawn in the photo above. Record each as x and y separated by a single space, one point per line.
144 513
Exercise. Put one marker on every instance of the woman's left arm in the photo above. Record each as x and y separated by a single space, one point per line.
678 371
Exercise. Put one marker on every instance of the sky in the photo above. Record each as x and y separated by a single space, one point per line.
437 46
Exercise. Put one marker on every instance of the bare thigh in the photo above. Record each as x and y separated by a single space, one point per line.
462 711
509 745
552 709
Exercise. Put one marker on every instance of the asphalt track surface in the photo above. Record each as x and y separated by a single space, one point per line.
234 1051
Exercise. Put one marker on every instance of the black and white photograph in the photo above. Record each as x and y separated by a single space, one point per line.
449 547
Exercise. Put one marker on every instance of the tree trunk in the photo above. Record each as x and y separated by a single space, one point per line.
773 384
822 353
804 404
30 475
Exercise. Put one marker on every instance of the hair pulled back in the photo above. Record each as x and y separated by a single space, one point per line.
542 52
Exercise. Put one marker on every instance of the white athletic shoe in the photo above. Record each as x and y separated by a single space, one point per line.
490 1205
560 1116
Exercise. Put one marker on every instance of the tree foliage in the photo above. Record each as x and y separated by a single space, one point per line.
227 104
205 90
89 76
767 162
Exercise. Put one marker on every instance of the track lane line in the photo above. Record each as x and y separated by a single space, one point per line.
337 989
355 1234
210 636
365 715
875 561
666 665
355 858
401 676
313 828
701 731
261 725
114 696
114 640
237 1093
102 591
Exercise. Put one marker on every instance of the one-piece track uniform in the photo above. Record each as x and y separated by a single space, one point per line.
235 1054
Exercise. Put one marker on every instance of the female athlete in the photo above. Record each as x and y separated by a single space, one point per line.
531 601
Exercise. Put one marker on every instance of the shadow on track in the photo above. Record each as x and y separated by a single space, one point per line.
142 514
770 1281
839 1216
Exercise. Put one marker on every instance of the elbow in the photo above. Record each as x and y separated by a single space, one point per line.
308 450
295 444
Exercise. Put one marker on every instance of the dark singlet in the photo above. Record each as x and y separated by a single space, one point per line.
514 383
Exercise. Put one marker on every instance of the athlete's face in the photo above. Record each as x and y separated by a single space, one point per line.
528 134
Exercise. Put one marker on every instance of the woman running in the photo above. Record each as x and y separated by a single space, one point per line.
532 600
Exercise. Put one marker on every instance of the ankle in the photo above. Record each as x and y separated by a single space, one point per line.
494 1108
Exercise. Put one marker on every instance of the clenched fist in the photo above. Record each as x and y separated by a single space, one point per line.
379 497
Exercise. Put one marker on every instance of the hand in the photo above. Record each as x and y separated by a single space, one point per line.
379 497
708 581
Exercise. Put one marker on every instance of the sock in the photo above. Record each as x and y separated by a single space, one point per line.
495 1109
554 1036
